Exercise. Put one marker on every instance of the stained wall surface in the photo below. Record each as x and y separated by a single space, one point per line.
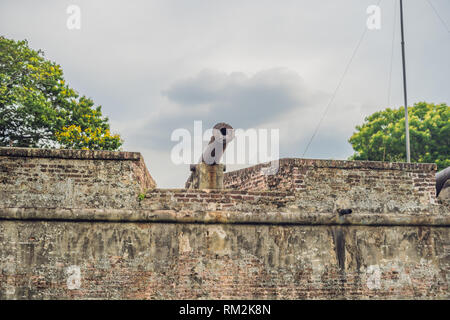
84 224
62 260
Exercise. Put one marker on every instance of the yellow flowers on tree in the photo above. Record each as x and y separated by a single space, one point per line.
382 136
38 109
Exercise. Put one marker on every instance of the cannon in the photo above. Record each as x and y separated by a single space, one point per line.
208 173
441 178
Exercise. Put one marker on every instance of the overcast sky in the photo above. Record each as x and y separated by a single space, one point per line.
158 65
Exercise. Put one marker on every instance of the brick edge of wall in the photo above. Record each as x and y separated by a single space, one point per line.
341 164
140 171
69 154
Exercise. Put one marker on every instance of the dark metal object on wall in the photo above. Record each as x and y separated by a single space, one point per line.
208 173
441 177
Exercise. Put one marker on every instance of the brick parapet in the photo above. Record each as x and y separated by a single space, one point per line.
71 178
329 184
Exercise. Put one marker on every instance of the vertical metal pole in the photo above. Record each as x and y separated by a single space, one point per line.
408 154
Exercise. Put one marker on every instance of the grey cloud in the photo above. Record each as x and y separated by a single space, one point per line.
243 101
279 88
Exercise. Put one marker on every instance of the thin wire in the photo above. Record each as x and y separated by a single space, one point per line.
337 88
437 14
392 55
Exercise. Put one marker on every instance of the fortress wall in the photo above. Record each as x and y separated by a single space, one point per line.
84 224
327 185
124 260
71 178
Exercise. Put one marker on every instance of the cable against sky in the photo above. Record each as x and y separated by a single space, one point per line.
337 88
439 17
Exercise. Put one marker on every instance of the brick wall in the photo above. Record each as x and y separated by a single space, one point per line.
71 178
224 200
85 224
43 260
326 185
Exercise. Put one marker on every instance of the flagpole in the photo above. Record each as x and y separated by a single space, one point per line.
408 154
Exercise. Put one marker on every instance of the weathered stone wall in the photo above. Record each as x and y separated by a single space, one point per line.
103 260
83 224
71 178
327 185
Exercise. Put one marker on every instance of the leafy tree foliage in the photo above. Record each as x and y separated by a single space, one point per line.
382 136
38 108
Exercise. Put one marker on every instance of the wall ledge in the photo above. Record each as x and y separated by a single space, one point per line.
69 154
223 217
342 164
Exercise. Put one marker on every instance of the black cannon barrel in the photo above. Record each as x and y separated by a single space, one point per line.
223 133
441 177
208 173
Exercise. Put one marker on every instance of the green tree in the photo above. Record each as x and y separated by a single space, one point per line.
382 136
38 108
